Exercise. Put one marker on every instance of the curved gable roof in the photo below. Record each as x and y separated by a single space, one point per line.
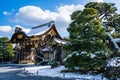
39 31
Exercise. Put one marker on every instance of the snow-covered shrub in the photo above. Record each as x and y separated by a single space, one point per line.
86 61
55 64
112 69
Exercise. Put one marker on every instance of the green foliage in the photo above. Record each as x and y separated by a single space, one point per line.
81 23
114 22
84 61
86 40
55 64
6 50
105 10
86 29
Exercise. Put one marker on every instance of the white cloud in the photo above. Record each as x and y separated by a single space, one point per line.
87 1
6 29
98 0
7 13
117 4
32 16
26 30
65 11
95 1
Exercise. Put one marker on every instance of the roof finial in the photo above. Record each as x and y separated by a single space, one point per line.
51 23
18 29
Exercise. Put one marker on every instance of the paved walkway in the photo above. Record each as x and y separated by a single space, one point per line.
12 72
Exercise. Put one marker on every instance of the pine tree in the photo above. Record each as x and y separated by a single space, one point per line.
6 50
105 10
87 46
114 22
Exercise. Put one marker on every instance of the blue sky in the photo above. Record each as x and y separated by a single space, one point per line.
30 13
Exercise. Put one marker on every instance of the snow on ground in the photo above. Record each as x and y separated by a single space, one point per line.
114 62
7 69
56 72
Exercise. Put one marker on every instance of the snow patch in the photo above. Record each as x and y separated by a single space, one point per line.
117 40
114 62
92 55
60 41
113 41
56 72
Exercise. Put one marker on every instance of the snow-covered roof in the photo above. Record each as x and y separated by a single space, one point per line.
60 41
39 30
45 49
